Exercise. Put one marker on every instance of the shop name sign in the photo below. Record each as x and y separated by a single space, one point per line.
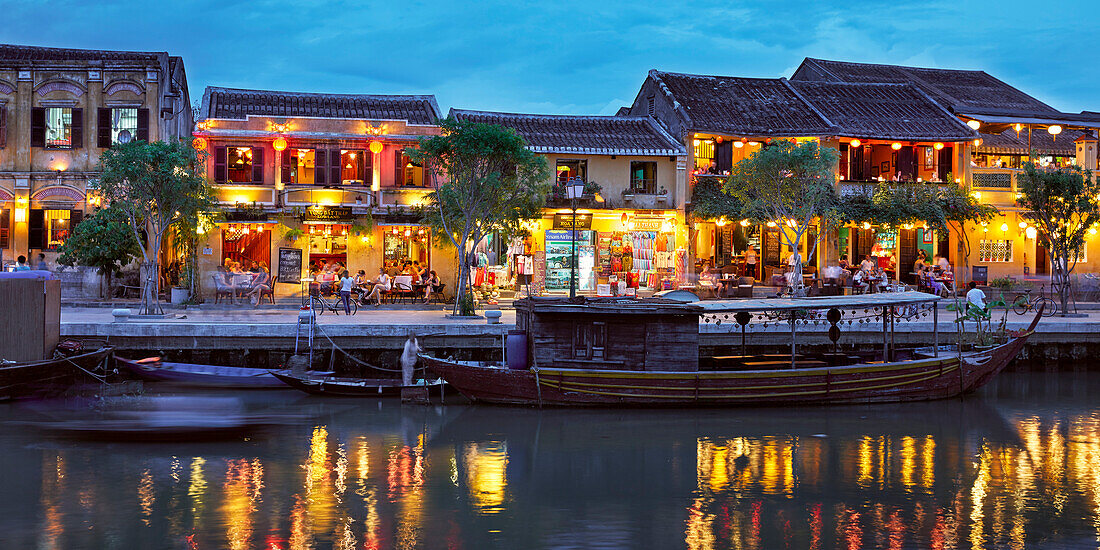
328 214
565 221
648 224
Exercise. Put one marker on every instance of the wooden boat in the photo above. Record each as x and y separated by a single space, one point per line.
334 386
645 353
203 376
20 380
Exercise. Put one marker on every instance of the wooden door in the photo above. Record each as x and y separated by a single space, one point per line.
907 254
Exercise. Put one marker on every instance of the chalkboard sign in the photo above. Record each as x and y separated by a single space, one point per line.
980 275
771 246
538 277
290 265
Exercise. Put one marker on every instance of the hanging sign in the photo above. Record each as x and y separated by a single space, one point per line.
331 214
565 221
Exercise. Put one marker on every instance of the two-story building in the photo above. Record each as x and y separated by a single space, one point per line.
630 225
322 174
1014 127
59 110
881 131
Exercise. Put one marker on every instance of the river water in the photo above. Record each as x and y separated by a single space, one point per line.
1017 466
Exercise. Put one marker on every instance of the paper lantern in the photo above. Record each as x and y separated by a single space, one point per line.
895 146
198 143
376 147
855 143
279 144
974 124
938 146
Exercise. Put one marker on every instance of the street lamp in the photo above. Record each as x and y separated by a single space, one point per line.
574 188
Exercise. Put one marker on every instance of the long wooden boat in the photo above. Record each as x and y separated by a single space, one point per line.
664 373
334 386
202 376
21 380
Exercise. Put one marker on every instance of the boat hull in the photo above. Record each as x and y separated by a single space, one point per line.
40 378
203 376
916 380
346 387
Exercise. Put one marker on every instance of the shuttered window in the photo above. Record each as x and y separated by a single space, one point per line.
118 125
299 166
3 126
5 227
57 128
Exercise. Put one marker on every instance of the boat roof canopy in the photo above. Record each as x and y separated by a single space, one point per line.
818 302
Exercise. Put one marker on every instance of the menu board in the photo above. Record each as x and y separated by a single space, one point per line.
290 265
538 276
771 246
603 254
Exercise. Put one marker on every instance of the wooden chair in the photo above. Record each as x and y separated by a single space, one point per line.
437 292
744 287
402 288
221 289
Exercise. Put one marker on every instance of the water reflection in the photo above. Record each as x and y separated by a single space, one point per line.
1016 469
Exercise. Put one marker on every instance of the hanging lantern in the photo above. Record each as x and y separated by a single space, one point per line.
974 124
738 144
744 223
1030 232
279 144
720 222
1054 130
1004 227
866 225
1023 225
244 229
1018 127
625 218
855 143
895 146
978 142
938 146
199 143
718 139
408 232
376 147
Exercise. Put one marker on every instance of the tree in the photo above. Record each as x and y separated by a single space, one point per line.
959 207
1063 205
103 241
156 186
792 184
491 183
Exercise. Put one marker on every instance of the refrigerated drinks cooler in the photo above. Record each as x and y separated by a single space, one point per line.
559 257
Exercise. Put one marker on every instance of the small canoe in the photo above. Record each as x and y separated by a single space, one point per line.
203 376
334 386
29 379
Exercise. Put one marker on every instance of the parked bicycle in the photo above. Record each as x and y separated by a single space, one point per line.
333 303
1026 302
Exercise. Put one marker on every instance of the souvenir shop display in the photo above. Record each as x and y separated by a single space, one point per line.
559 260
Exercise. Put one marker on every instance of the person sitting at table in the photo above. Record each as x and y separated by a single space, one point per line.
881 280
431 284
382 284
858 280
326 278
255 267
868 265
844 261
929 279
423 273
922 260
260 284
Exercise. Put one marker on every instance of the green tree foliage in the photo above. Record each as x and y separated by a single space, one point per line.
156 186
1063 204
793 184
491 183
710 201
103 241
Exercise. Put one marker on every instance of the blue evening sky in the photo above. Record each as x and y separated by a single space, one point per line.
568 56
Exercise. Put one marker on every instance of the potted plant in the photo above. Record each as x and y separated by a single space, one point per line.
292 234
628 195
662 194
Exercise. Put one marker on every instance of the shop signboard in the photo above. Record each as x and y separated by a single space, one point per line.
648 224
538 275
771 246
239 216
290 265
329 214
565 221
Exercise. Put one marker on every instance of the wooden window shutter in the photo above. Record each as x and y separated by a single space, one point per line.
335 164
143 125
36 229
78 129
320 166
844 155
284 167
38 127
365 170
221 164
3 126
75 217
257 165
943 167
103 128
5 227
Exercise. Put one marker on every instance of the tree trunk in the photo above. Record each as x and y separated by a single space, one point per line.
150 292
461 287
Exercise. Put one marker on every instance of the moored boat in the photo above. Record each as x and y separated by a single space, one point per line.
203 376
334 386
20 380
594 352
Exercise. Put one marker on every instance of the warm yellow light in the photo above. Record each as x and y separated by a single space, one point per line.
1023 225
985 230
855 143
866 225
938 146
974 124
791 223
200 230
1054 129
245 229
895 146
1031 232
20 215
279 144
364 239
240 199
1092 231
738 144
376 147
744 223
1019 127
374 186
771 224
977 142
198 143
720 222
977 195
1004 227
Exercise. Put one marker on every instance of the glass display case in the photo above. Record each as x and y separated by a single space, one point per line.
559 260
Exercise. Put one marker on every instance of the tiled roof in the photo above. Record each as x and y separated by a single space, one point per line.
233 103
741 106
601 135
958 90
889 111
14 52
1007 143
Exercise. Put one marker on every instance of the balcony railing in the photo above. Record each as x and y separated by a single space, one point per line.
994 178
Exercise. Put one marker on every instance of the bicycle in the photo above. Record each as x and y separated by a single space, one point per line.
335 304
1026 303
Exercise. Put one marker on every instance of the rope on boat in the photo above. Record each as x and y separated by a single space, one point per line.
101 379
357 360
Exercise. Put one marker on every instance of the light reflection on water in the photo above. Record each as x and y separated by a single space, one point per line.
1017 468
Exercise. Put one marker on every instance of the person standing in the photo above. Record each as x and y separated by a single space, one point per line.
42 263
346 282
750 262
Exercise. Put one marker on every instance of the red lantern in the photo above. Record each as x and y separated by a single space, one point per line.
279 143
198 143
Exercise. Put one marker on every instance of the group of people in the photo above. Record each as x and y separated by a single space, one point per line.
867 274
21 263
931 274
251 283
334 276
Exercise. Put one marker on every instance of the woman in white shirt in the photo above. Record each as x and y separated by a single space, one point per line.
382 284
346 282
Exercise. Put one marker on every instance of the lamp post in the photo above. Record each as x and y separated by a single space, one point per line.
573 191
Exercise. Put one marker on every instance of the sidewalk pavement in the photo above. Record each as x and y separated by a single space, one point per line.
249 316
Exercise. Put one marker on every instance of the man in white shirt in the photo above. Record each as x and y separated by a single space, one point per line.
944 264
975 297
868 265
